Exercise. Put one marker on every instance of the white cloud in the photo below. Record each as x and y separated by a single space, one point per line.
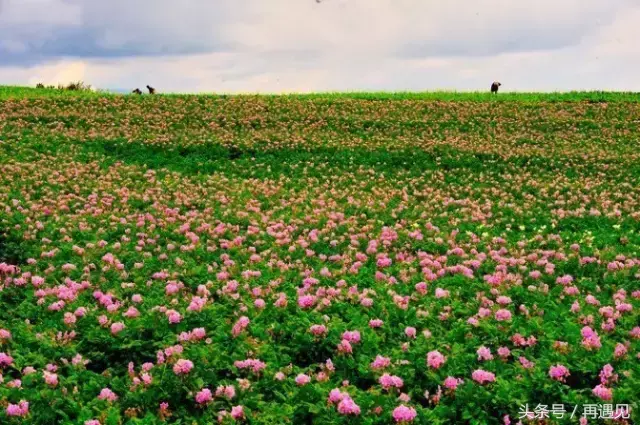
61 72
300 45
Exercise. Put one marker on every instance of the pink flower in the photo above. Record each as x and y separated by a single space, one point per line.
306 301
503 300
559 373
564 280
237 412
366 302
336 395
16 383
182 367
107 394
351 336
69 318
347 406
421 288
504 352
173 316
117 328
435 359
281 301
404 414
503 315
204 396
441 293
389 381
240 326
526 363
345 347
452 383
92 422
590 338
131 312
404 397
380 362
302 379
28 371
384 262
482 376
620 351
535 274
484 353
197 303
228 391
5 334
607 376
603 392
410 332
198 333
318 330
254 364
21 409
50 379
375 323
473 321
5 360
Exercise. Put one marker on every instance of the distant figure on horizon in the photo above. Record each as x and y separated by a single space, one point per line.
151 89
137 91
495 86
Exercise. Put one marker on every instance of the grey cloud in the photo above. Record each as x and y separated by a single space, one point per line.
488 44
35 31
50 29
492 27
300 45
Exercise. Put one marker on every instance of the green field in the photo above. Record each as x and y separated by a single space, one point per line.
338 258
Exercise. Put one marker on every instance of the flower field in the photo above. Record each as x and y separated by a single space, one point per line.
326 259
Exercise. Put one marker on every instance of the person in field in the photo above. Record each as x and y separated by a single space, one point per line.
495 86
151 89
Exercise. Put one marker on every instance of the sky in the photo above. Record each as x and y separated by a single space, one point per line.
276 46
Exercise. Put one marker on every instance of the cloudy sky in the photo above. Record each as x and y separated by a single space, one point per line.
302 45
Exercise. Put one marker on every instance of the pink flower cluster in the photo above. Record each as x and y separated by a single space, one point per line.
21 409
107 394
254 364
345 404
390 381
404 414
559 373
482 376
435 359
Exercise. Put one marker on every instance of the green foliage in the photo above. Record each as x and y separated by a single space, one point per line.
102 194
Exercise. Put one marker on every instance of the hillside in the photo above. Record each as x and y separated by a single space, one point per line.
326 259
